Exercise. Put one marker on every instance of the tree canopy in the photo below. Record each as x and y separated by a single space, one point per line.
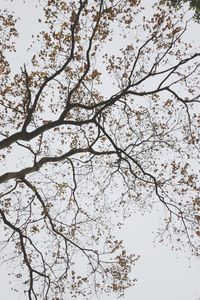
194 5
103 121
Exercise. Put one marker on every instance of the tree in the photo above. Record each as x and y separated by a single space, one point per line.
194 5
88 153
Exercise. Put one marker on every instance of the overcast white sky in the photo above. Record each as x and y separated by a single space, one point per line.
161 273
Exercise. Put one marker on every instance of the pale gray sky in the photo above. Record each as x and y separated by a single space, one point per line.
161 273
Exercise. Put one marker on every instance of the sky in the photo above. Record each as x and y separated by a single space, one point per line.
161 272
